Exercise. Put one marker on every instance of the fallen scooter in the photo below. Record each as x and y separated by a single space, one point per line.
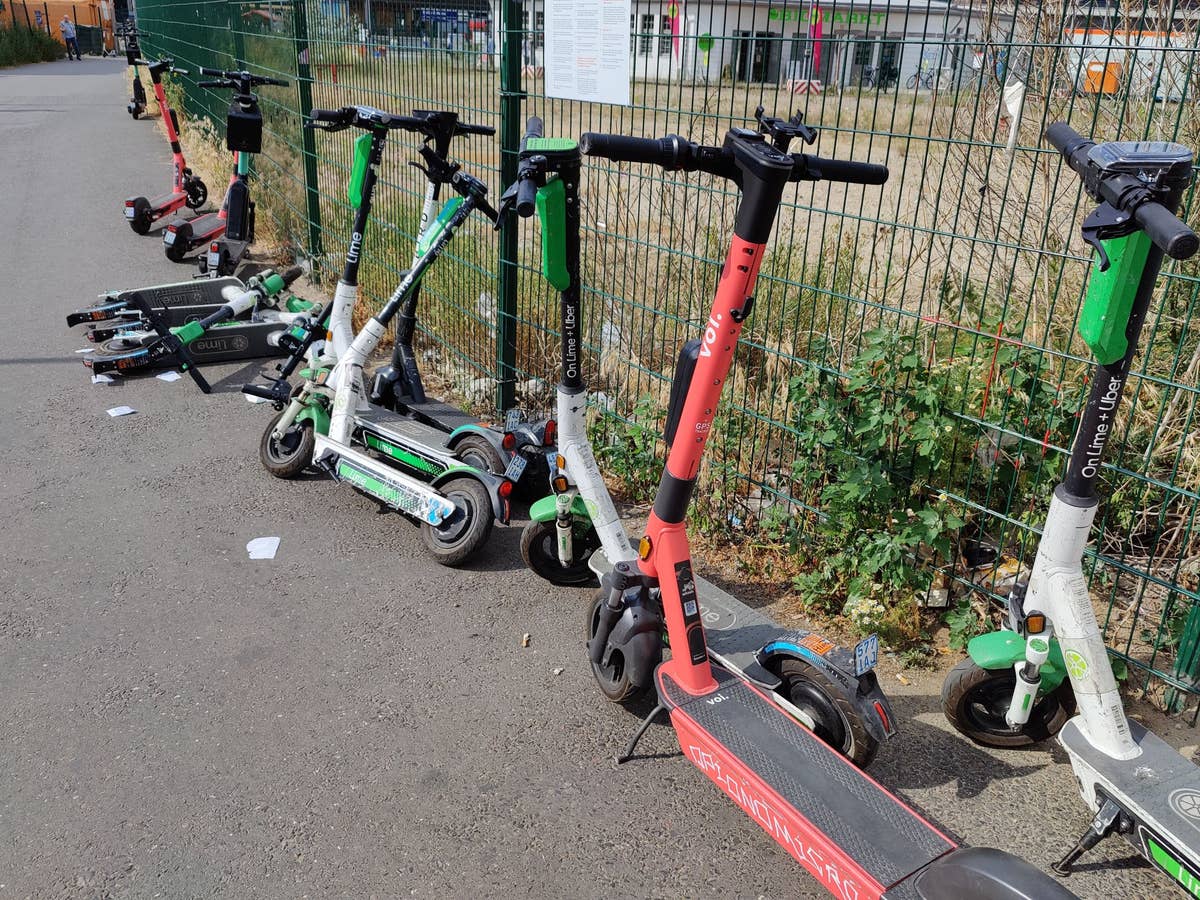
248 322
1021 685
763 744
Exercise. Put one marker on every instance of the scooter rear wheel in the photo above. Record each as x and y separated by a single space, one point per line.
613 680
975 700
462 535
476 450
292 455
539 549
835 721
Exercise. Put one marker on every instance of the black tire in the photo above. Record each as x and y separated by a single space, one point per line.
837 722
613 679
135 112
974 701
183 240
293 455
539 549
141 221
476 450
117 345
197 193
462 535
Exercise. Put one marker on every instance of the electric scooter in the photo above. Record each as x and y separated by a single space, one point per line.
733 724
435 479
117 309
399 387
250 322
186 189
1020 685
137 103
228 232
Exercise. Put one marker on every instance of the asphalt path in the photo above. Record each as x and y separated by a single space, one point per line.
347 719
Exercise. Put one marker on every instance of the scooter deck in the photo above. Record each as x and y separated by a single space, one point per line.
1160 788
438 414
224 343
383 482
851 834
405 430
157 204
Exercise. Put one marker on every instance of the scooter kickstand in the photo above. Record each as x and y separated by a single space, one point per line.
1107 819
627 754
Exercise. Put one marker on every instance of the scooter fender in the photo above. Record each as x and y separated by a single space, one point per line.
837 665
317 415
638 637
546 509
500 507
488 434
1004 649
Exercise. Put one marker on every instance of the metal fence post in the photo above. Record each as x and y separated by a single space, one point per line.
307 138
511 96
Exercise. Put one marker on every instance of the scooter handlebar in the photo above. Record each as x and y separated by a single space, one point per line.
1164 228
292 274
818 168
466 128
255 390
670 152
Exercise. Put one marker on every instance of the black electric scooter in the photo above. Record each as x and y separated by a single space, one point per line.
137 103
226 233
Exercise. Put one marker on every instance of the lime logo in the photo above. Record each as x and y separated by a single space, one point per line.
1186 802
1039 645
1077 666
1166 861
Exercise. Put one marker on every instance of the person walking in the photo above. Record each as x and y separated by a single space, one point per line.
67 28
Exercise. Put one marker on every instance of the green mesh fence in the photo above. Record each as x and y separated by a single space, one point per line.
910 377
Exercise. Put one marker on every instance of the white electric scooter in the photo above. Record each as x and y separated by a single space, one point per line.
1011 692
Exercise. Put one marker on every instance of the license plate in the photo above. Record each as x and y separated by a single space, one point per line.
552 460
516 467
169 238
214 260
866 655
130 212
512 419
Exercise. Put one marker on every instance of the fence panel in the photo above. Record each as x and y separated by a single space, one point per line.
911 376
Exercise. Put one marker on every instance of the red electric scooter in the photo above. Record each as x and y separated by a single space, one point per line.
186 189
850 833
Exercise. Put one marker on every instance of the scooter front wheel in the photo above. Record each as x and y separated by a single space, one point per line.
464 533
612 679
292 454
975 701
539 549
833 719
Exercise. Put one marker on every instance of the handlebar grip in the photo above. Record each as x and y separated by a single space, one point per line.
1062 137
327 115
666 152
486 130
255 390
818 168
1173 236
210 84
278 82
205 70
534 127
526 197
292 274
178 71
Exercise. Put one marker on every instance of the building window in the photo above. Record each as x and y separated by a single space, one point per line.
664 39
646 36
862 52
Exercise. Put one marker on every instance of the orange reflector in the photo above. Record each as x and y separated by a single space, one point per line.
887 725
560 461
509 442
1035 623
505 489
214 247
550 433
644 548
560 484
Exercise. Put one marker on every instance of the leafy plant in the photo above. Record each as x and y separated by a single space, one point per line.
628 447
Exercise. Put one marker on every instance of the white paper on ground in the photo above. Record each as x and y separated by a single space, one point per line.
121 411
263 547
102 379
87 350
252 399
168 376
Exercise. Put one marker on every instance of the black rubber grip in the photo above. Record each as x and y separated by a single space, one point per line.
486 130
1175 238
817 168
526 197
255 391
210 84
666 152
292 274
327 115
534 128
204 70
278 82
1063 137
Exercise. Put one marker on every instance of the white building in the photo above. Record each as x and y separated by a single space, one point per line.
835 42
